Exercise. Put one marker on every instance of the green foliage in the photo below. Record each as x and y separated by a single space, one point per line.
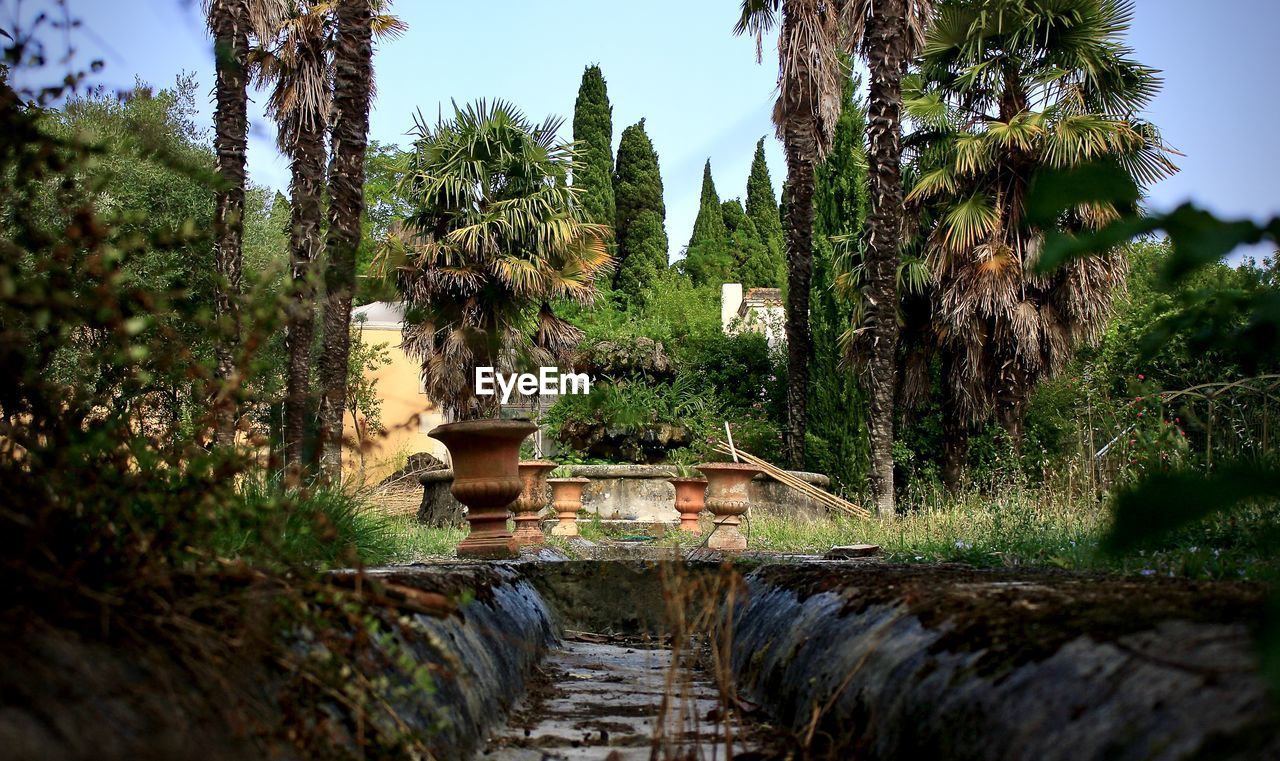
836 430
1002 91
754 265
323 527
495 237
762 208
634 404
640 228
593 135
123 525
1246 321
363 401
733 215
709 225
736 377
674 313
386 204
646 256
709 262
727 246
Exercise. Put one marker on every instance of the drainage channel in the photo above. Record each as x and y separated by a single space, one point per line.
618 701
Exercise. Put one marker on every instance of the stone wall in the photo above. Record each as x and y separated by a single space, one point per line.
632 492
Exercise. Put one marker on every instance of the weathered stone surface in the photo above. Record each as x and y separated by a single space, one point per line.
635 357
846 552
772 497
609 701
629 492
647 443
898 662
439 507
956 663
484 656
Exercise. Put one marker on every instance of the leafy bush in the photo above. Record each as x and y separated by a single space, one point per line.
701 378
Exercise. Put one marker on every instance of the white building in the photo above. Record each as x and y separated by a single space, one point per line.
759 310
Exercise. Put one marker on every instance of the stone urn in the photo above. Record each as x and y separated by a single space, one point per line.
566 497
691 496
727 498
486 479
533 497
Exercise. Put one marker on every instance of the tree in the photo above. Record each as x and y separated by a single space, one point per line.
709 224
641 214
709 258
298 68
737 256
889 33
762 208
352 89
496 237
593 134
732 214
152 175
809 78
232 23
385 204
1002 96
837 418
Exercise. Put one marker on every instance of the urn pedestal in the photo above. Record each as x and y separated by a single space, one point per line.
533 497
691 498
566 497
727 485
486 479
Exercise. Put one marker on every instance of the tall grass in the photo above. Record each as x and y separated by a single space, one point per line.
1023 526
320 527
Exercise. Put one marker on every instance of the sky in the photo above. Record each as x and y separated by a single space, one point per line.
676 64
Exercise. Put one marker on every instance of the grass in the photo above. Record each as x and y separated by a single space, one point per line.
319 527
1017 526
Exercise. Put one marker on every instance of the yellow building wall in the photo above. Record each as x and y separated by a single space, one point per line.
407 415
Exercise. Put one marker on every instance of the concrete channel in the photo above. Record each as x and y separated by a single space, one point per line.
624 659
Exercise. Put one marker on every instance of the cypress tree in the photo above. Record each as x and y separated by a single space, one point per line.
593 131
837 424
733 215
709 225
762 208
640 220
753 266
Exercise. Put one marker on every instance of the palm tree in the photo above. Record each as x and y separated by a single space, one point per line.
232 23
810 77
497 237
352 94
814 34
890 32
298 66
1006 89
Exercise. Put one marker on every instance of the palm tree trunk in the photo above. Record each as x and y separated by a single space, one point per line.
231 127
305 242
353 66
886 45
1011 408
955 429
801 145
